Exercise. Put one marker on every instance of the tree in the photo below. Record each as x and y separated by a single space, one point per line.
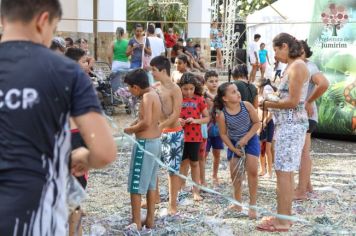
335 17
157 11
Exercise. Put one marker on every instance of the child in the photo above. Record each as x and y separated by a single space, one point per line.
194 113
143 168
266 136
172 131
181 64
238 123
214 140
263 55
247 90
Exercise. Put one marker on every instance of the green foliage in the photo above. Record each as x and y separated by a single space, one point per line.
138 10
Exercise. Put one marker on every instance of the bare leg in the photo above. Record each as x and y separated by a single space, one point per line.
174 184
304 171
202 162
236 183
184 168
136 209
194 165
75 226
151 198
269 159
219 63
158 198
253 73
262 72
285 190
262 159
252 168
216 162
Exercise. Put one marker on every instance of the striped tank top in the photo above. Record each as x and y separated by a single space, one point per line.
239 124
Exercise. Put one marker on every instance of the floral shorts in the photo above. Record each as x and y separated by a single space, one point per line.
290 140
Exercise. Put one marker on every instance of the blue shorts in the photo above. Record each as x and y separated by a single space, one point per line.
215 143
253 148
172 149
143 168
135 64
268 132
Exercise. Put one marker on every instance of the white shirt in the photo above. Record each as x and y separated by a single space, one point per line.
253 47
159 33
157 46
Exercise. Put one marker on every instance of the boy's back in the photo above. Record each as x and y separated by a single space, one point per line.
150 108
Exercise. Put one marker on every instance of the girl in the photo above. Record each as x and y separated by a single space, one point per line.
238 123
263 55
216 38
194 112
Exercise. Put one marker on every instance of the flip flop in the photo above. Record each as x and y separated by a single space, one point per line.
270 228
268 220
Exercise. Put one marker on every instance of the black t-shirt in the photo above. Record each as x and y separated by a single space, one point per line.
248 91
39 90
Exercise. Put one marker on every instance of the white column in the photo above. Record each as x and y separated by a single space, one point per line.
111 10
199 11
70 11
85 11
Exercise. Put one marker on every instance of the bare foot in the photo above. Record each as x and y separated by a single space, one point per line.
261 173
197 197
204 184
149 224
252 214
215 181
269 175
172 211
310 188
235 207
300 196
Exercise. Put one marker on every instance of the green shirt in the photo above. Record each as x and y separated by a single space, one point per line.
120 48
248 91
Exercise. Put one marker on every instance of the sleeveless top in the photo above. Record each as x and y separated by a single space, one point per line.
239 124
296 115
120 47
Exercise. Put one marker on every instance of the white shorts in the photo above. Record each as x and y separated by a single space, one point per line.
117 65
290 140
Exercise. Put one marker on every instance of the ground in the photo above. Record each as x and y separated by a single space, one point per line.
331 209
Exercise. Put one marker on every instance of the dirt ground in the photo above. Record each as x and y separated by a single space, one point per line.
331 209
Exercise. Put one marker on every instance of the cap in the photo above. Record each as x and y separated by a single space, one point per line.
189 40
59 41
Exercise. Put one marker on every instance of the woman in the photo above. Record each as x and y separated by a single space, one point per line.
117 51
216 38
291 121
318 84
135 47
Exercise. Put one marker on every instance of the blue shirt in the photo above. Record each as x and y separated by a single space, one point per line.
262 55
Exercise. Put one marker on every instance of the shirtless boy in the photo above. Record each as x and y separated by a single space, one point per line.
143 168
172 131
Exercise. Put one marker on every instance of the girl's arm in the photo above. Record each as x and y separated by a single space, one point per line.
204 120
220 119
256 125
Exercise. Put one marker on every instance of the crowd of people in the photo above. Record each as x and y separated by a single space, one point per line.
52 124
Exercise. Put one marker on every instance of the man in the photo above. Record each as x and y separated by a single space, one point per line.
253 56
39 90
157 44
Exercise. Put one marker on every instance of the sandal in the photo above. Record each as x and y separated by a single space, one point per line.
270 228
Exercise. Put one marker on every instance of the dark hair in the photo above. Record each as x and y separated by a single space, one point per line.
183 58
210 73
180 40
240 71
308 52
161 62
197 45
262 44
263 82
70 40
158 25
189 78
295 47
257 36
26 10
218 100
79 41
137 77
120 31
151 29
75 53
138 25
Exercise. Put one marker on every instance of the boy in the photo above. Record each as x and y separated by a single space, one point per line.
172 131
79 56
143 168
214 141
35 164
